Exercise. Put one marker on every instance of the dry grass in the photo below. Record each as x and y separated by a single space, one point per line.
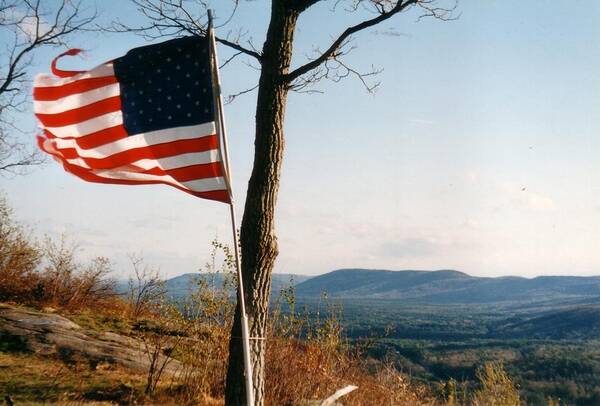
302 371
32 380
496 387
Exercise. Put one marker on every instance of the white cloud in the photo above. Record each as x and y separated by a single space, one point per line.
421 121
410 247
538 202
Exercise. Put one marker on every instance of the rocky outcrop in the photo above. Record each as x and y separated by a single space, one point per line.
51 334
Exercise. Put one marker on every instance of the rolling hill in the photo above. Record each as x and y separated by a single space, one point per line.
450 287
580 322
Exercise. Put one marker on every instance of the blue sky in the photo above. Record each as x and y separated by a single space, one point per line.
479 152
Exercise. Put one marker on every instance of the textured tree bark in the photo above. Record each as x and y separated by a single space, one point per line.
257 237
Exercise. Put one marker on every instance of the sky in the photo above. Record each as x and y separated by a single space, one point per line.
479 152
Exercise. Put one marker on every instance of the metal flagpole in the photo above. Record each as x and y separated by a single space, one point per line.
220 125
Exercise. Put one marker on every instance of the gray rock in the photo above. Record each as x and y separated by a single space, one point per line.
51 334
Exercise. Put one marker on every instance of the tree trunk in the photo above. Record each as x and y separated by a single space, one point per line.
257 237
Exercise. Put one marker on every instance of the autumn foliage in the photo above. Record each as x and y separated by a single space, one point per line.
47 273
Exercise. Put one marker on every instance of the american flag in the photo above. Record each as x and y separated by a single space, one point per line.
144 118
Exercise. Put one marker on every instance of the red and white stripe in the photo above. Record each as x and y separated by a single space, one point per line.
82 128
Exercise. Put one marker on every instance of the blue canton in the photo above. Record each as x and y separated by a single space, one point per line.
166 85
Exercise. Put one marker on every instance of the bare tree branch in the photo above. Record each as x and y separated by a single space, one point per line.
228 60
168 18
335 70
232 97
335 46
329 64
441 13
28 26
238 47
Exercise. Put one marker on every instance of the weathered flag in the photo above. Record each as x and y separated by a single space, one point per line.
144 118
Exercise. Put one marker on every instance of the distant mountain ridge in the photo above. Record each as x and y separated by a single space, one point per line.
429 303
416 286
448 287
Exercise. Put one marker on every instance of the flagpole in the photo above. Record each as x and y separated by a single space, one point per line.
221 131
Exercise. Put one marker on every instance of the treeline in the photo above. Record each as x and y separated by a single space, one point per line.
569 371
542 370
